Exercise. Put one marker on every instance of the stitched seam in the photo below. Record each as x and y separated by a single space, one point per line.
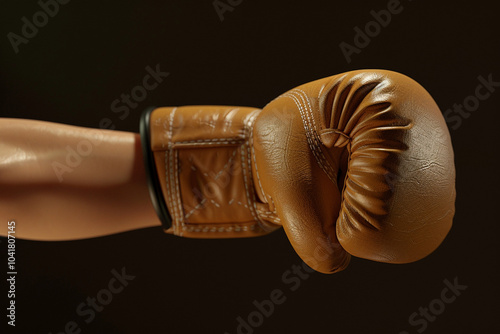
195 208
237 139
268 214
311 140
172 188
306 127
170 184
274 205
250 206
255 161
208 144
246 182
177 188
171 172
265 212
234 228
275 219
167 179
315 140
249 127
318 142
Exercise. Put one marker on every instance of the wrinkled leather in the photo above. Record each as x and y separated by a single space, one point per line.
360 163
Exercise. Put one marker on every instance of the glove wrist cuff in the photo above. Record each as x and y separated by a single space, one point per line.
203 162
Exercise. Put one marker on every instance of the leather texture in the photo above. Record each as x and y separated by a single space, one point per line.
360 163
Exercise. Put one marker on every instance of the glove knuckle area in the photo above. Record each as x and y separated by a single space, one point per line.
361 162
399 189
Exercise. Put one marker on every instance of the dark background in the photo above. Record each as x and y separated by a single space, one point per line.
90 52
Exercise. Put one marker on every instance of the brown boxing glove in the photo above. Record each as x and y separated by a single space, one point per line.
360 163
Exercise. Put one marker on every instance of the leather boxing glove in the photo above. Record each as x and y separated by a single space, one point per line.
360 163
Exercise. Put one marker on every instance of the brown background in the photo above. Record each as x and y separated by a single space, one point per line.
93 51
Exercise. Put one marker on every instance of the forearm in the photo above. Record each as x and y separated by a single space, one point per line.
63 182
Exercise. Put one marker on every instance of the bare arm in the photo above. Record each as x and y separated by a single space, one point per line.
62 182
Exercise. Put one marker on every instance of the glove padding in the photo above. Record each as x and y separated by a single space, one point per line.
360 163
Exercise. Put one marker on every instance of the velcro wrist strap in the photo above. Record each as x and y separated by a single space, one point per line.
203 159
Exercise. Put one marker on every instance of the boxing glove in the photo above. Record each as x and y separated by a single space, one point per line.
360 163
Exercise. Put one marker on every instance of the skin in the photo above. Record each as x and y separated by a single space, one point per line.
63 182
